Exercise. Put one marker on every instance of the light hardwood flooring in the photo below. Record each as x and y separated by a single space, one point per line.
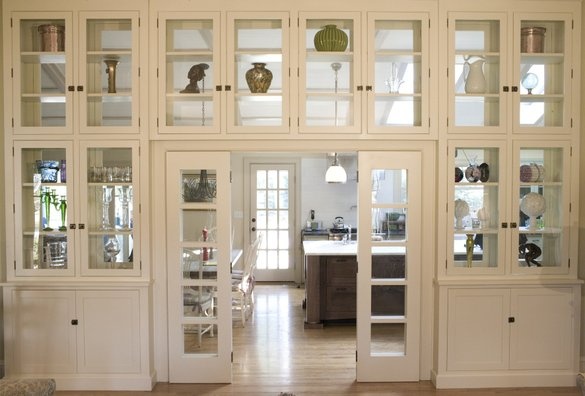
275 354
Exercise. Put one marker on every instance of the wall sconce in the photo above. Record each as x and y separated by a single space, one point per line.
335 173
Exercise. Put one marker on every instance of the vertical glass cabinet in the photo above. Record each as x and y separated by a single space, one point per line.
330 87
70 212
65 78
398 84
509 215
510 72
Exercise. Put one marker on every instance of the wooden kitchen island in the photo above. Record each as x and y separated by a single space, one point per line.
330 279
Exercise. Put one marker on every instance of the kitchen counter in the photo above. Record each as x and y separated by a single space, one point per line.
338 248
331 275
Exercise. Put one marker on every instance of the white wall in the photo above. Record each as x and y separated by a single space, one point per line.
326 199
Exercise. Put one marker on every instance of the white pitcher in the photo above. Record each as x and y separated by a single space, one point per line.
475 80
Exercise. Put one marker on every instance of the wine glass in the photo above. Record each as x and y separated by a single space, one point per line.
111 249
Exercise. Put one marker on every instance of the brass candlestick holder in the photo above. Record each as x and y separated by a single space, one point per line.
111 65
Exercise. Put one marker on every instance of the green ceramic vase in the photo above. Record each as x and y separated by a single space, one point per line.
330 38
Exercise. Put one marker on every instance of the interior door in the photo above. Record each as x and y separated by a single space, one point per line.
198 267
272 214
389 260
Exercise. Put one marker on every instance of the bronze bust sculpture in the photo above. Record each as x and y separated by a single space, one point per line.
196 73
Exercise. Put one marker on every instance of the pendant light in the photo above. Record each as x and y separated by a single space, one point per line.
335 173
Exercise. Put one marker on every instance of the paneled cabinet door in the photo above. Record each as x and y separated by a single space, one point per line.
330 85
43 209
109 208
83 74
41 333
477 202
398 73
523 85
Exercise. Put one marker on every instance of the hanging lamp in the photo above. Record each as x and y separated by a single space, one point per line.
335 173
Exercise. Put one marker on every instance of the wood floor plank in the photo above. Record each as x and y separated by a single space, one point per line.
274 354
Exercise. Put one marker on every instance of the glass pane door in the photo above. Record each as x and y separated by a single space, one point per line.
329 99
109 70
543 74
44 242
543 209
258 72
199 267
189 72
477 72
401 61
109 209
43 72
389 260
475 240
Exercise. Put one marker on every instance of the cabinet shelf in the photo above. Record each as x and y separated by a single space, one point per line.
536 98
110 232
542 58
39 57
469 230
54 233
188 54
329 56
259 56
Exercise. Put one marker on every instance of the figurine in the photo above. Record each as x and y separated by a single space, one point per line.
196 73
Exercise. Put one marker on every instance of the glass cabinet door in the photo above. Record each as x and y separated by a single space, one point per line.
43 209
43 73
258 72
398 95
109 209
543 74
477 72
108 71
329 78
189 72
542 208
476 243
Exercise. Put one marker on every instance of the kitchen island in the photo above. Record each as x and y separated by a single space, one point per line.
330 279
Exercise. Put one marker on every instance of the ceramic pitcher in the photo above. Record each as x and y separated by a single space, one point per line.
475 81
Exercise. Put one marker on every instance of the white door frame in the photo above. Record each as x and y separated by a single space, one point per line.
294 240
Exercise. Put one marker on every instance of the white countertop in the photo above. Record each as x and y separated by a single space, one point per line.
338 248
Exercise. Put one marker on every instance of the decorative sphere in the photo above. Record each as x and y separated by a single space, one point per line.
533 204
530 81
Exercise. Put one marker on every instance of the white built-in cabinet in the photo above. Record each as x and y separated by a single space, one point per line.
379 83
76 297
507 292
87 335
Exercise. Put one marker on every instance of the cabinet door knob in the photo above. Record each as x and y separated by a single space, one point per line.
504 225
360 88
513 225
218 88
71 88
506 88
511 319
228 87
80 88
368 88
82 226
72 226
514 88
74 322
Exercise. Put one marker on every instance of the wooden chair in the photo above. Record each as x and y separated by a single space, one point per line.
243 283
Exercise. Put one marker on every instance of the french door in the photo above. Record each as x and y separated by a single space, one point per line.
198 266
389 261
272 214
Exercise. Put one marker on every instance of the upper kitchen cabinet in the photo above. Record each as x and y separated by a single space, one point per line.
236 84
76 71
512 71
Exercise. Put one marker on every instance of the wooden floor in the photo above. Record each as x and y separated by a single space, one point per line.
274 354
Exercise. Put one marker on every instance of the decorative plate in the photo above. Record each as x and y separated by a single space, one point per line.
458 175
484 172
